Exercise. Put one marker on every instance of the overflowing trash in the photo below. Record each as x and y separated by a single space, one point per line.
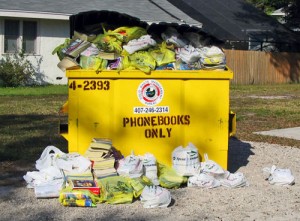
71 177
129 48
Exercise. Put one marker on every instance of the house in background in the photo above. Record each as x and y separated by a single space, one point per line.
240 25
38 26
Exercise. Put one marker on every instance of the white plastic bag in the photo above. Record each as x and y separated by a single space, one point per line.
150 168
281 177
188 54
48 157
47 166
131 166
172 36
203 180
211 167
234 180
34 178
185 160
73 163
48 189
155 196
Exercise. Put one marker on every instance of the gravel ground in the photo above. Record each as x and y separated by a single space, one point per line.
258 201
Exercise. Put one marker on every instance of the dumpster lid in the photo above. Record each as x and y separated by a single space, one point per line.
89 22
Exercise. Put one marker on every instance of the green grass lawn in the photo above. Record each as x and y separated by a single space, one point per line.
30 120
266 107
34 91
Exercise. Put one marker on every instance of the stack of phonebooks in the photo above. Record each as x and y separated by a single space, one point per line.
102 154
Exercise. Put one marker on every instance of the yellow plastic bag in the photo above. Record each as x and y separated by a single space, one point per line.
109 41
93 62
143 61
130 33
162 54
138 184
115 190
169 178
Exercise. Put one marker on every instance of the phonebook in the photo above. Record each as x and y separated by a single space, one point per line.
85 184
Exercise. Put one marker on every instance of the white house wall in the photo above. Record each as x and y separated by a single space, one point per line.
52 34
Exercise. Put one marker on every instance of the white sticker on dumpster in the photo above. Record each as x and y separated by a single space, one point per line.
151 110
150 92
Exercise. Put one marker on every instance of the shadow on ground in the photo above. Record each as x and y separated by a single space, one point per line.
238 154
25 136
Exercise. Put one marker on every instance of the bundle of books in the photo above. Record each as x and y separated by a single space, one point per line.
100 152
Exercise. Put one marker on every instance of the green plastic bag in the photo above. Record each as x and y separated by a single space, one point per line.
138 184
109 41
59 49
143 61
162 54
169 178
130 33
93 62
115 190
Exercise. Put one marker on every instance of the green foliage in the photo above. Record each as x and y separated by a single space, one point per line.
291 7
268 6
16 70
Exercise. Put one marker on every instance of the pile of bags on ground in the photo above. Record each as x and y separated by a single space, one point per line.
129 48
138 177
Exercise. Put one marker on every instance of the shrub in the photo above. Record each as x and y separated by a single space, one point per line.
16 70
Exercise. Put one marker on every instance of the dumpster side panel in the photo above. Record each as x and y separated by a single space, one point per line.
206 101
157 115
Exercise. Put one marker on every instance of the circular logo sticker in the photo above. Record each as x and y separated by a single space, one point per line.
150 92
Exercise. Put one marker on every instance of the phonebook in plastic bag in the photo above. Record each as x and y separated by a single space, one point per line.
155 196
277 176
185 160
150 167
50 189
131 166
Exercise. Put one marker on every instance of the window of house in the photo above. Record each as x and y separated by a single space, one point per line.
20 35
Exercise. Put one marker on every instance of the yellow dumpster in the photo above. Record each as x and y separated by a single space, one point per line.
151 113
